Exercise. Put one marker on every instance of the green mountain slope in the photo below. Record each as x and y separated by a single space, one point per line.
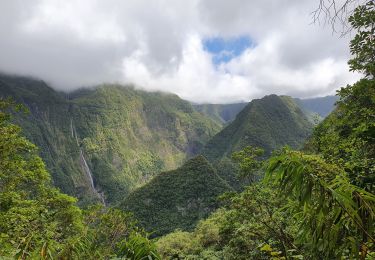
225 113
178 198
320 105
47 126
269 123
102 143
221 113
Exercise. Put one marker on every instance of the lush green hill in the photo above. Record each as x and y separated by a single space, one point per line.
221 113
104 142
224 113
269 123
178 198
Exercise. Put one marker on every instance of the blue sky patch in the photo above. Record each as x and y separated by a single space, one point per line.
225 49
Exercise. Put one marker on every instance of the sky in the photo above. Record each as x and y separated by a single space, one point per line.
205 51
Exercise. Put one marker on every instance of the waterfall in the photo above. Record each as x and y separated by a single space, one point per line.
74 132
71 127
87 170
85 166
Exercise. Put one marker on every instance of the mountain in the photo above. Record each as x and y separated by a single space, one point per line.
178 198
225 113
221 113
48 126
320 105
270 123
101 143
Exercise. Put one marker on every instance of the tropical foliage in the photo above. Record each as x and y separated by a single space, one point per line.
336 218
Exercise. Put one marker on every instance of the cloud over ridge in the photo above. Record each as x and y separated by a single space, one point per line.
159 45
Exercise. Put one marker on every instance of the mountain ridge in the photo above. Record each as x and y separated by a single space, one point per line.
268 123
121 134
161 204
225 113
101 143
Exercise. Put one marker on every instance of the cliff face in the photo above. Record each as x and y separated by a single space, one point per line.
104 142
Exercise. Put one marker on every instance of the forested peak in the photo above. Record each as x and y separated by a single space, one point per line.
198 163
119 88
269 123
272 103
28 90
177 198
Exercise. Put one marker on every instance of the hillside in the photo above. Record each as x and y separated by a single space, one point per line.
225 113
48 126
320 105
178 198
221 113
270 123
101 143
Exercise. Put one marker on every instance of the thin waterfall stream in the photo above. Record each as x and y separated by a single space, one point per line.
85 166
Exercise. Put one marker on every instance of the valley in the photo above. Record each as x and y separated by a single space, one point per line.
189 130
170 164
116 145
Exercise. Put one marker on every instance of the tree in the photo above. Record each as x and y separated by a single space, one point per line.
36 220
314 205
249 162
335 189
336 217
113 233
336 13
347 136
363 46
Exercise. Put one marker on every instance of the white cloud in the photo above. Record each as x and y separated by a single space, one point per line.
157 46
78 18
